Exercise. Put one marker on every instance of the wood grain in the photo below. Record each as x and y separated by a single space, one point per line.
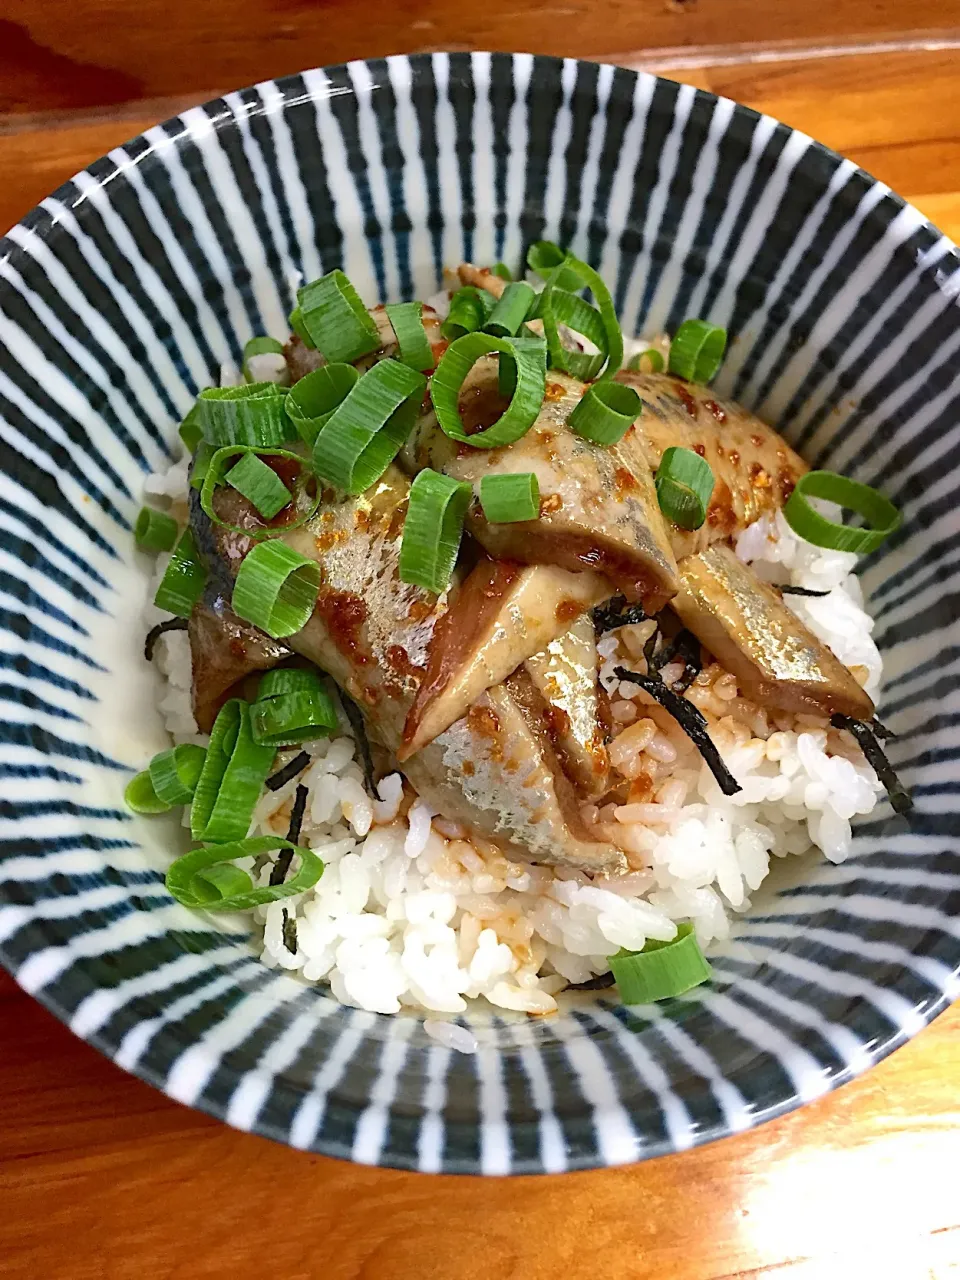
102 1178
68 54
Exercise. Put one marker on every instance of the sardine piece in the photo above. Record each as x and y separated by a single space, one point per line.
598 506
565 674
503 613
225 650
754 470
750 631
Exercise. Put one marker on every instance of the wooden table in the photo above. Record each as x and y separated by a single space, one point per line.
101 1178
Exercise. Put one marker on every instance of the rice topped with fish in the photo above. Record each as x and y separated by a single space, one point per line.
592 744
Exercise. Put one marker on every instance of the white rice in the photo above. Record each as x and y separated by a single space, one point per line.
410 914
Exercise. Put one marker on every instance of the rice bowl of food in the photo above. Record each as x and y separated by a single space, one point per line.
498 625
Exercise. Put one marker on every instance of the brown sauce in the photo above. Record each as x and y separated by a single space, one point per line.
624 482
717 410
483 721
567 610
344 614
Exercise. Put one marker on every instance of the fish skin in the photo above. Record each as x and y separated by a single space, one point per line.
225 650
751 632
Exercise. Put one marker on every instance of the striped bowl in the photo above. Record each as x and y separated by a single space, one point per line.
121 294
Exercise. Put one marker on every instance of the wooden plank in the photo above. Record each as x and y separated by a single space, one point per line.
66 54
101 1176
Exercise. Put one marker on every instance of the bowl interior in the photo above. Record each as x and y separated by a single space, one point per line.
121 295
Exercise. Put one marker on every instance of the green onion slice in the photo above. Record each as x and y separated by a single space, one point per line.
276 588
469 309
295 321
684 485
531 380
283 680
549 262
205 879
175 773
407 321
252 414
651 358
314 397
259 484
662 969
233 774
696 351
191 432
182 584
507 498
503 271
881 516
259 347
201 463
432 530
216 474
558 307
154 530
140 797
605 412
290 718
363 436
510 310
338 323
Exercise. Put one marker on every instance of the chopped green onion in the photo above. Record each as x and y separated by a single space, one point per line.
654 361
510 310
548 261
316 395
469 309
252 414
154 530
338 323
696 351
881 516
182 584
297 327
363 436
276 588
503 271
287 680
175 773
201 463
259 347
260 485
611 345
191 432
140 796
558 307
214 476
432 530
662 969
684 486
292 718
605 412
508 498
507 365
520 415
407 321
196 879
232 777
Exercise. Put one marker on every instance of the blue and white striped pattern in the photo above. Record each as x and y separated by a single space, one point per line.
121 295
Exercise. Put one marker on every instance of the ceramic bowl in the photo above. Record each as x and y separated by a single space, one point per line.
121 295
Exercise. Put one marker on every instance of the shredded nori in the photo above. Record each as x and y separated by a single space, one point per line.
786 590
650 645
880 730
617 613
691 720
289 932
161 629
684 645
355 716
598 983
282 864
899 796
289 770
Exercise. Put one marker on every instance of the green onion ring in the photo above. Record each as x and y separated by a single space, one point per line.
661 970
232 777
684 483
259 347
469 309
510 497
287 719
696 352
558 307
182 584
653 358
299 329
190 431
252 414
276 588
366 432
526 401
259 484
201 463
315 396
216 475
549 262
881 515
406 319
338 323
287 680
154 530
510 310
433 528
503 271
189 881
175 773
140 797
605 412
